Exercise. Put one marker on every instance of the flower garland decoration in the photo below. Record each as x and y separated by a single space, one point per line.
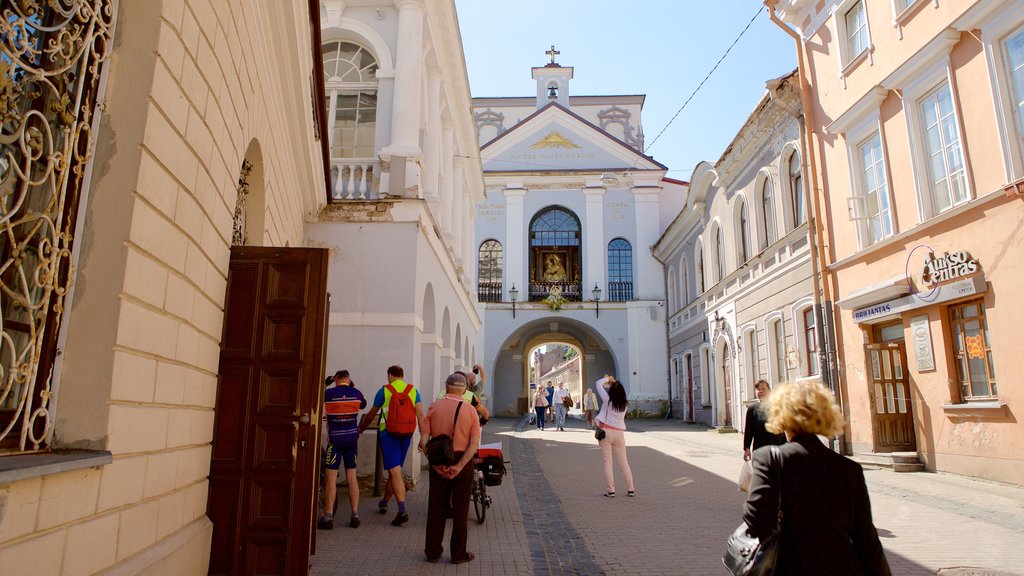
555 300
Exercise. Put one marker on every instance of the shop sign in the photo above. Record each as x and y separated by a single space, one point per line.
948 267
944 293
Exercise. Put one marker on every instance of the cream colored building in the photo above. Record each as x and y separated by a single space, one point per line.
186 127
916 120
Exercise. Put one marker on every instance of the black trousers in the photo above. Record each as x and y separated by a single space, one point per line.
443 491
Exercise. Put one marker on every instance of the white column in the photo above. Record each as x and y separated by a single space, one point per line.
405 110
594 242
648 283
432 149
515 243
449 181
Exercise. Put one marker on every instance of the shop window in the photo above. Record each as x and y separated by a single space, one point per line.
972 351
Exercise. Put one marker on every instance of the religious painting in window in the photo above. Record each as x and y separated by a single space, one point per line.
51 58
972 351
620 270
555 255
489 271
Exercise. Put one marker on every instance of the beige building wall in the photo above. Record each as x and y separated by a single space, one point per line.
193 87
913 49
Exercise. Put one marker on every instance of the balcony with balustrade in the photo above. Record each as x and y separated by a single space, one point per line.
355 179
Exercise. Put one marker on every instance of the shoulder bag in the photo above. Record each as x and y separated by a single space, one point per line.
440 451
744 554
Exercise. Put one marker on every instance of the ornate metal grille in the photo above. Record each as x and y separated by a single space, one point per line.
51 53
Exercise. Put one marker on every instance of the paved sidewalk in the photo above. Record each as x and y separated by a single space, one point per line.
549 516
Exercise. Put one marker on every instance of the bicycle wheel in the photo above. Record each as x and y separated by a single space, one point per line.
480 500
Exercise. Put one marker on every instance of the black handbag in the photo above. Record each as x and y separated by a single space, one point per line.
745 555
599 433
440 451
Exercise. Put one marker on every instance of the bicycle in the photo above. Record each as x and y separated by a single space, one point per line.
488 465
481 501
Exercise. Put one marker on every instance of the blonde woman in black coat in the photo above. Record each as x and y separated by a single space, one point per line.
826 514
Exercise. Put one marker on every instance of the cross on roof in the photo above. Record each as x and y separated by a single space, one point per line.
553 53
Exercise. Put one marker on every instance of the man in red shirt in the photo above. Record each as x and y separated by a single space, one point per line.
453 483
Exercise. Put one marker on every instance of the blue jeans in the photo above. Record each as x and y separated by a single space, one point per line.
560 411
540 415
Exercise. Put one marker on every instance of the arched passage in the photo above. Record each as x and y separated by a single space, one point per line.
510 376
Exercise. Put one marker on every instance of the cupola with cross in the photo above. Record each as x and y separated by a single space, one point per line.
552 81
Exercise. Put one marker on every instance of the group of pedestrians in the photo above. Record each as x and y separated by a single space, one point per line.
399 405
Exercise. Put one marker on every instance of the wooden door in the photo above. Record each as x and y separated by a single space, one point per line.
892 415
265 453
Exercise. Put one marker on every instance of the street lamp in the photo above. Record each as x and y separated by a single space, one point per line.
513 295
596 292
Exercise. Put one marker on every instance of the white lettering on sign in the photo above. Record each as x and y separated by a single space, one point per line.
948 267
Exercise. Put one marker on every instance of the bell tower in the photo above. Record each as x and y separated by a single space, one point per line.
552 81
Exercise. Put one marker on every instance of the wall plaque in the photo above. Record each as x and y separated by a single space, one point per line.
921 335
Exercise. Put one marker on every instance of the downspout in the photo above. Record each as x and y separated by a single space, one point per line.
668 346
828 364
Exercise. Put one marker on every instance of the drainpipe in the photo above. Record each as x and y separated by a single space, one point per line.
828 366
668 346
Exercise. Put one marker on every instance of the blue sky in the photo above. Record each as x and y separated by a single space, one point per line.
661 48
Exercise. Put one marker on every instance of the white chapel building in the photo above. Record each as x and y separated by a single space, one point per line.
564 238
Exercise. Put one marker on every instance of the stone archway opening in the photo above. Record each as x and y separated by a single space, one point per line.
557 363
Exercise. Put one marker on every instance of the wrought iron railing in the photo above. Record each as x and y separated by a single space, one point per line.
488 292
540 290
355 178
620 291
51 55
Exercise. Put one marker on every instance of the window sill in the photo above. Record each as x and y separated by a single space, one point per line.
28 466
856 60
993 409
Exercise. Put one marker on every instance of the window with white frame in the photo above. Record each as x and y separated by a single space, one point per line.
796 190
767 220
777 335
871 206
350 78
1014 47
743 244
684 283
810 343
856 36
673 305
753 371
719 254
947 174
700 269
972 351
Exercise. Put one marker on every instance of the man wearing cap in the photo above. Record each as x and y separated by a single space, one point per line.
452 483
342 403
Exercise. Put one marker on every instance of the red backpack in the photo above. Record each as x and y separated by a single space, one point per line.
401 419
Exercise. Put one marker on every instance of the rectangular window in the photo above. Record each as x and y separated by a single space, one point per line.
1014 45
972 351
753 371
779 334
945 158
355 123
810 342
856 30
874 189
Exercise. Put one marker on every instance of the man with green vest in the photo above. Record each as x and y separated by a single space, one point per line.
399 404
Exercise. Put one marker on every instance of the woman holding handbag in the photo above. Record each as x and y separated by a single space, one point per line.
814 498
540 406
612 421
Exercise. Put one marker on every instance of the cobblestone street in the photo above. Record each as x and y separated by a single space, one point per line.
549 515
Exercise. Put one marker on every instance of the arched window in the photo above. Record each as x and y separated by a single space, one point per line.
796 188
700 270
351 83
767 223
620 270
684 284
555 234
719 255
744 233
489 269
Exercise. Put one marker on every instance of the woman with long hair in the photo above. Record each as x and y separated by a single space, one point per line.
540 406
612 419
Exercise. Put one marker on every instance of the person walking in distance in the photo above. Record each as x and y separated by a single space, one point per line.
540 405
451 485
550 393
590 407
754 433
399 403
612 419
560 405
342 403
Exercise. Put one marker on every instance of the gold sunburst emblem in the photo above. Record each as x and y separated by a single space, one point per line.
553 140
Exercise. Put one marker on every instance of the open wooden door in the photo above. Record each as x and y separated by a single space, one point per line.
263 466
892 414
